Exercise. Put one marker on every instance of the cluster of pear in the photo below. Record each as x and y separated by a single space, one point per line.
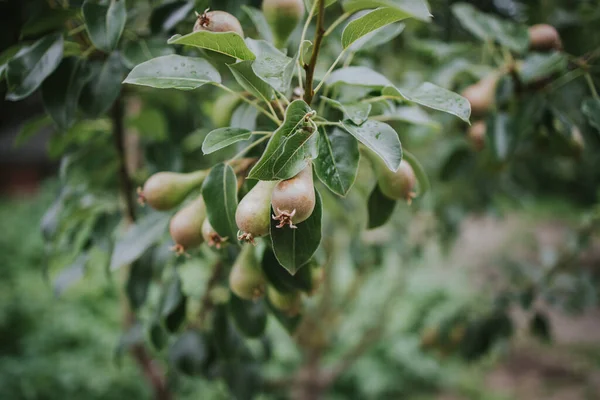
482 95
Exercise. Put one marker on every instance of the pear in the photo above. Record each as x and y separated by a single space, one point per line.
482 95
476 134
218 21
211 237
186 226
288 303
544 37
397 185
293 199
166 190
283 16
253 214
246 278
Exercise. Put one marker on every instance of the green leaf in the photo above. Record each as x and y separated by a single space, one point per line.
151 123
540 327
380 208
271 65
295 247
591 109
250 317
174 72
31 128
420 173
487 27
228 43
223 137
7 55
285 155
71 274
138 238
377 37
105 24
139 280
220 195
358 76
167 15
61 91
537 66
260 22
173 304
435 97
50 20
358 113
369 22
412 115
142 50
190 353
246 77
244 117
337 164
104 87
415 8
281 279
26 71
379 137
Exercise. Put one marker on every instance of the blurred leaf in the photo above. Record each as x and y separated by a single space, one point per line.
142 50
151 123
228 43
412 115
337 163
173 304
138 238
104 87
271 65
260 22
295 247
591 109
50 20
165 17
250 316
139 279
223 137
281 279
379 137
244 117
105 24
415 8
377 38
190 353
7 55
158 336
245 76
31 128
358 113
132 337
358 76
500 136
539 326
284 156
26 71
174 72
70 274
537 66
380 208
228 342
220 195
369 22
61 91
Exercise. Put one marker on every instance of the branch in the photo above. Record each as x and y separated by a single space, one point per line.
151 370
310 68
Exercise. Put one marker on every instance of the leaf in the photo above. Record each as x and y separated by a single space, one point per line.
105 24
377 37
190 353
245 76
173 304
223 137
412 115
220 195
499 136
244 116
48 20
369 22
381 138
591 109
420 173
271 65
415 8
295 247
174 72
435 97
358 113
104 87
31 128
284 156
260 22
7 55
228 43
358 76
139 279
61 91
487 27
151 123
142 50
71 274
250 317
537 66
26 71
281 279
380 208
166 16
540 327
337 164
138 238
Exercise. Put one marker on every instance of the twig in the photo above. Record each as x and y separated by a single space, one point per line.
251 102
310 68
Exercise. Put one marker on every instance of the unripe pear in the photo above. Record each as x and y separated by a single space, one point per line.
166 190
293 200
288 303
544 37
476 134
253 214
218 21
246 278
482 95
283 16
186 226
211 237
397 185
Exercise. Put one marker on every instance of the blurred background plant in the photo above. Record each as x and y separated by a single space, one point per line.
486 288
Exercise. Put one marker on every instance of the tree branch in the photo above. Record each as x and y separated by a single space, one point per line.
127 190
310 68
